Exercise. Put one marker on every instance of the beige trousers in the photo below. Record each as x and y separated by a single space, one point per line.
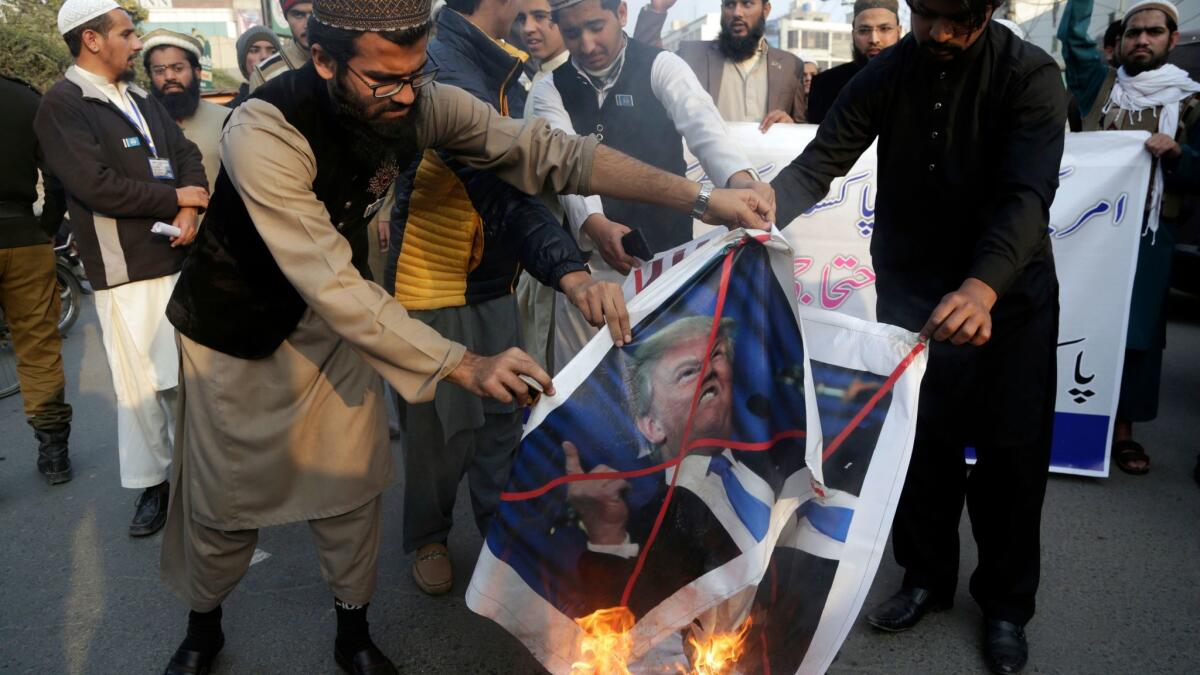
203 565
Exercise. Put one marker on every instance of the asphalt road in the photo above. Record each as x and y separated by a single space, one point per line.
1120 587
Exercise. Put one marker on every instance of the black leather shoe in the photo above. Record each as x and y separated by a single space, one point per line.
1004 647
151 511
192 661
904 609
369 661
53 462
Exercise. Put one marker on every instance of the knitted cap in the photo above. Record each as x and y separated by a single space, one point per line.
246 40
1168 8
556 5
75 13
288 4
861 6
372 15
161 37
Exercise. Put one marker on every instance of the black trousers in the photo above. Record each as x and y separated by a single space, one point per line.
1000 400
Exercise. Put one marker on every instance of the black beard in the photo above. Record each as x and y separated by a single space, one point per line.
738 49
180 105
375 140
859 57
129 75
1153 64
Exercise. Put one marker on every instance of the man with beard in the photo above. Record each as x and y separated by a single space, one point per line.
293 54
970 121
172 62
1144 94
643 101
750 80
125 165
282 340
876 26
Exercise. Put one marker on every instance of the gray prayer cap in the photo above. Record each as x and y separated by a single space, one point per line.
861 6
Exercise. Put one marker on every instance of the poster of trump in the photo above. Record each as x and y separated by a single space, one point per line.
713 497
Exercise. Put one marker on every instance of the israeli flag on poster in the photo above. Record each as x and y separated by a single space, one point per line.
719 489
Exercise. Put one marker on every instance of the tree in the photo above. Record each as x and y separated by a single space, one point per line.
31 48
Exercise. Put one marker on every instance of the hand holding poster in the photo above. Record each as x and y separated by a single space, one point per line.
1095 223
716 490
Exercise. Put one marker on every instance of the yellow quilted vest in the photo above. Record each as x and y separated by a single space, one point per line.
443 238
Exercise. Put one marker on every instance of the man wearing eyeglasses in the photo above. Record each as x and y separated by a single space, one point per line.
876 26
282 340
172 61
459 239
970 121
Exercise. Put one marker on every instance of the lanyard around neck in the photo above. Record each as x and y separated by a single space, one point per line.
139 121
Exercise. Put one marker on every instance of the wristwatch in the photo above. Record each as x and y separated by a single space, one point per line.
701 203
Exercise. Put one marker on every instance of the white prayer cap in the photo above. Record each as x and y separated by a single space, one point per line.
1165 7
161 37
75 13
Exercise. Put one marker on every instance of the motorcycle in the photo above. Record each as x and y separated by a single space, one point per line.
72 286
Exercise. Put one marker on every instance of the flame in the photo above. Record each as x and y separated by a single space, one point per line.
607 644
718 654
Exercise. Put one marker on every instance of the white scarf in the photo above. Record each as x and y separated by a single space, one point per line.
1164 87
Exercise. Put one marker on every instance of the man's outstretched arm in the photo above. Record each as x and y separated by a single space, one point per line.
531 155
848 130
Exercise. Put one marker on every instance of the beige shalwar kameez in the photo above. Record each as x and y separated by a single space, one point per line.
302 434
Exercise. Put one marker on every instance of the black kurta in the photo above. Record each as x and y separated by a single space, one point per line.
825 89
969 154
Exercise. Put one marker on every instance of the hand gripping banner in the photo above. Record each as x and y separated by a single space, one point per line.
716 495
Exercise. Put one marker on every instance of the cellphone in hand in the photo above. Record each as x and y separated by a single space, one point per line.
635 244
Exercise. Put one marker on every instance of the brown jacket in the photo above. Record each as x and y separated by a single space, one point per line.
785 75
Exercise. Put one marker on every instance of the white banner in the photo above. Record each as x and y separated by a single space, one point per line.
1096 221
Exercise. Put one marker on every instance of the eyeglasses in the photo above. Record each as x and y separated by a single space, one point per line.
390 89
884 29
175 68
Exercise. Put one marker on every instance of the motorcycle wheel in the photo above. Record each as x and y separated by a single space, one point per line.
71 295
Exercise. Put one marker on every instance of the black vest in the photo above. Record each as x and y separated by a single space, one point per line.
231 295
633 121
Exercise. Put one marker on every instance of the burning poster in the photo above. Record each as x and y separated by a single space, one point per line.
677 508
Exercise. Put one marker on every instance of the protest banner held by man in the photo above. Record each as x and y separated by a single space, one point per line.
1144 94
28 284
280 335
642 101
459 238
749 80
876 26
126 165
970 121
254 46
295 53
172 62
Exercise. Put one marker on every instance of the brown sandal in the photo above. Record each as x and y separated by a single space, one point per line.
1127 452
